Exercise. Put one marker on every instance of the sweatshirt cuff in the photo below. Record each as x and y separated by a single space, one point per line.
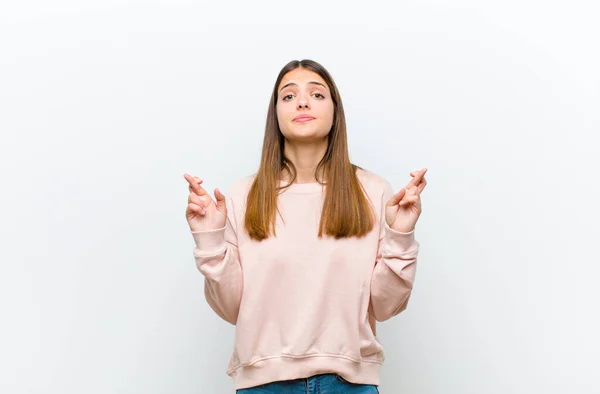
396 240
209 240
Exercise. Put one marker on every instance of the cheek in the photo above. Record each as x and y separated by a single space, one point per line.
326 111
283 118
284 113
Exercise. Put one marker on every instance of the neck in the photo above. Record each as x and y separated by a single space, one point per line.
305 156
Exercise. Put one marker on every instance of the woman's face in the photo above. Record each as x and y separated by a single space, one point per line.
304 106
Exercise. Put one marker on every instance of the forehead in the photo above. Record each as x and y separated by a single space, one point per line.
301 76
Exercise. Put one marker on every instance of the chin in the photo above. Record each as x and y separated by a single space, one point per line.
301 132
307 136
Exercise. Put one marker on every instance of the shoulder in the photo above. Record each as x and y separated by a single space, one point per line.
375 185
238 190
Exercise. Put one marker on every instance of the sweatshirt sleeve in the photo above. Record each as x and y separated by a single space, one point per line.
217 258
395 267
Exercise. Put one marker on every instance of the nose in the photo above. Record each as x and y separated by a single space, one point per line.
302 103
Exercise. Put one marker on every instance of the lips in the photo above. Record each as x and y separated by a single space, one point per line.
303 118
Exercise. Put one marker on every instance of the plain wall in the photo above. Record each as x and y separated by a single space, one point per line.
105 105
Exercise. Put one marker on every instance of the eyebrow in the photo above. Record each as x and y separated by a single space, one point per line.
310 83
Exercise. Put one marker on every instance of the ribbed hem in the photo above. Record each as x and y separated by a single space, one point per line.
297 367
209 241
397 241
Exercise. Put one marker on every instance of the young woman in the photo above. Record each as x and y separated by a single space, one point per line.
305 256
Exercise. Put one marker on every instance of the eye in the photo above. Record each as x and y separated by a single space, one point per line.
285 98
319 95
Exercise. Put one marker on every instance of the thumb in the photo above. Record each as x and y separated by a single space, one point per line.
221 206
395 200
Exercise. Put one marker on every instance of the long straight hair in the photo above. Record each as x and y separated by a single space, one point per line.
346 208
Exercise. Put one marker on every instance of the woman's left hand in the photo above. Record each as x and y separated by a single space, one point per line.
404 208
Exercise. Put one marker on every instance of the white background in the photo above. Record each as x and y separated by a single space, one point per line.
105 105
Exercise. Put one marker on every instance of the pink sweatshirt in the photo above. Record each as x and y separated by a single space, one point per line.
303 305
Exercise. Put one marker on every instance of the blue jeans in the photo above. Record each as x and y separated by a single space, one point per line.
319 384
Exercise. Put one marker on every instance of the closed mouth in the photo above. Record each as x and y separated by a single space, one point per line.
303 118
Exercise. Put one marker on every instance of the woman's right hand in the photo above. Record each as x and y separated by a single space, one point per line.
202 212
